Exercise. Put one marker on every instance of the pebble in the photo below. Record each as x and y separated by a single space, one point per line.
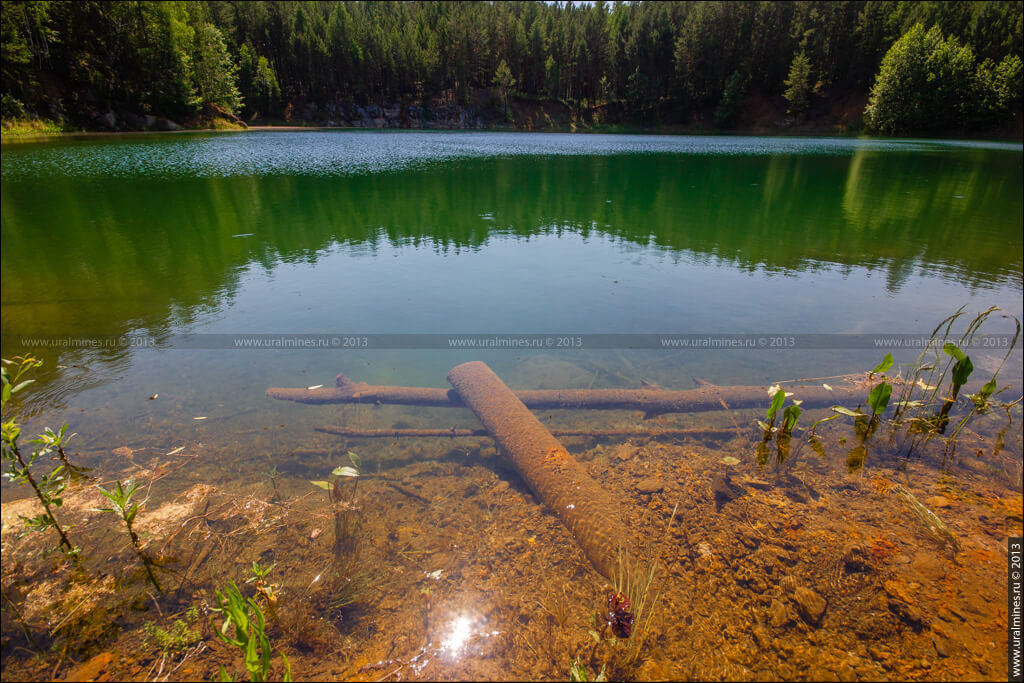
650 485
855 559
724 490
810 605
651 671
92 670
779 614
908 613
847 673
625 451
764 641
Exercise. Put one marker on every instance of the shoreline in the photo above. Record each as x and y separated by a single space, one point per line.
15 138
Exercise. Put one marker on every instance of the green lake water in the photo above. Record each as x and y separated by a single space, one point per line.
355 233
139 268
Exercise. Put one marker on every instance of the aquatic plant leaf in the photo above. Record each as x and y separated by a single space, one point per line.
109 494
789 417
846 411
878 399
909 404
345 471
130 515
729 460
988 389
21 385
777 401
252 660
855 459
762 454
287 678
962 370
322 484
357 462
824 419
953 350
884 365
827 387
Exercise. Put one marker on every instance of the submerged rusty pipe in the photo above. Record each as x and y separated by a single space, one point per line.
552 473
651 401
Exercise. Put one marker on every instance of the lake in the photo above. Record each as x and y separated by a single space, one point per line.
167 281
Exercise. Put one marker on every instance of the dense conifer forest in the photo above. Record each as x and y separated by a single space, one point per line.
919 67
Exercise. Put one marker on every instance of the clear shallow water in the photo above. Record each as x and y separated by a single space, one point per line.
348 234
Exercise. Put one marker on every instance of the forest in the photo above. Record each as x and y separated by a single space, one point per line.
920 67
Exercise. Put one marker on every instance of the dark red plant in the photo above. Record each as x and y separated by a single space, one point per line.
619 619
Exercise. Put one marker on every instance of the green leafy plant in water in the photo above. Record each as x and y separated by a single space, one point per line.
346 518
48 488
272 474
878 399
250 634
961 372
177 639
927 414
263 586
127 509
865 425
940 359
578 672
784 432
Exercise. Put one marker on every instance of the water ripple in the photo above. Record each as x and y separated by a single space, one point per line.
339 153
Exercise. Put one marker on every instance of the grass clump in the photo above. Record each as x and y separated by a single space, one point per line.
630 610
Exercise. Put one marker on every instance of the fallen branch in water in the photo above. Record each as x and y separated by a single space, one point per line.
459 433
653 401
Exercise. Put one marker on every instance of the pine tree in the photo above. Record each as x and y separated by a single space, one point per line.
798 85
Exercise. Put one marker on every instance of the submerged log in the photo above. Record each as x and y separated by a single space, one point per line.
561 483
455 432
652 401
